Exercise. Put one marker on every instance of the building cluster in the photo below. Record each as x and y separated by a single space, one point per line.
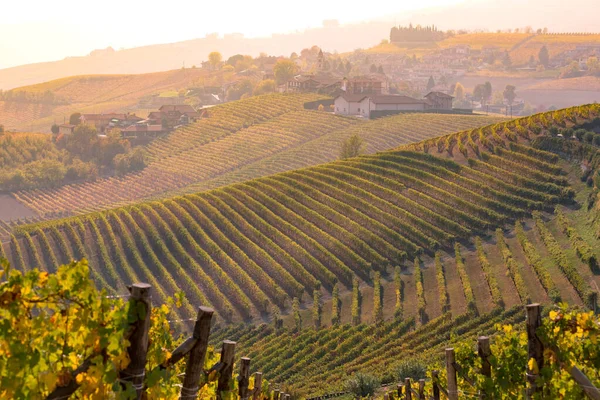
167 118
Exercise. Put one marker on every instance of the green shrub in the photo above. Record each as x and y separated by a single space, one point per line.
362 385
589 137
580 133
413 369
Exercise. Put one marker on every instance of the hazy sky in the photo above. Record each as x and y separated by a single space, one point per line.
43 30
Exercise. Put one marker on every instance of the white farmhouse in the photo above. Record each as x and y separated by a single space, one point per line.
362 105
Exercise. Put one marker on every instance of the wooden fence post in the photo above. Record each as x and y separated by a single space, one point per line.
195 363
226 373
287 397
386 396
436 388
276 394
594 300
535 348
244 378
421 389
451 375
138 341
408 391
484 352
257 386
399 389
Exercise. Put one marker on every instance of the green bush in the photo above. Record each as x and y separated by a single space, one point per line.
362 385
412 369
589 137
580 133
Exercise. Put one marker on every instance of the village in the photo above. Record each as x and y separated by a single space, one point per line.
365 84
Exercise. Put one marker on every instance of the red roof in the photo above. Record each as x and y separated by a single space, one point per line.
182 108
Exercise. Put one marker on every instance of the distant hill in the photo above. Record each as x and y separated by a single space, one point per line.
163 57
93 93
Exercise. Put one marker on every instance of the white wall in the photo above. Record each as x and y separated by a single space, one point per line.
395 107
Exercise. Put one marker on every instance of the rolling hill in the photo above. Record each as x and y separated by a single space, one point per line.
443 238
94 94
241 140
255 245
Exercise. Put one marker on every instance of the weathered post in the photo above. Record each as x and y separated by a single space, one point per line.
276 394
451 375
399 388
386 396
436 388
226 373
408 395
484 352
195 362
244 378
535 348
140 304
421 389
287 396
257 386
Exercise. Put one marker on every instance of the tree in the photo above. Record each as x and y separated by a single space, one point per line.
459 92
510 94
55 129
265 86
284 70
479 93
380 70
352 147
74 118
593 65
544 56
215 59
373 69
234 59
430 83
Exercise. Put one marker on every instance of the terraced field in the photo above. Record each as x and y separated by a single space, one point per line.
239 141
249 248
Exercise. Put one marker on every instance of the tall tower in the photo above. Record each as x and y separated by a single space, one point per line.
321 60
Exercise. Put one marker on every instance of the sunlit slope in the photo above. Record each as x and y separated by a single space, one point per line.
248 248
243 140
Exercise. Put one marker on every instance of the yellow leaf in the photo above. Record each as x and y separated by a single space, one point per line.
50 379
79 378
532 366
553 315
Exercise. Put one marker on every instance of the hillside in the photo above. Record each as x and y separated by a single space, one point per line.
242 140
93 94
255 245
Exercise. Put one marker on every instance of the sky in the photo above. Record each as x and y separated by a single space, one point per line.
41 30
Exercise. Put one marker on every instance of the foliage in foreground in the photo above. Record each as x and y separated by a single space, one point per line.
51 323
571 340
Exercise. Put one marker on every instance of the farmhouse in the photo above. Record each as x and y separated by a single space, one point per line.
173 115
104 121
362 105
66 129
439 101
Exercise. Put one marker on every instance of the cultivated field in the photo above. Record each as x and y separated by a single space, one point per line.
255 245
243 140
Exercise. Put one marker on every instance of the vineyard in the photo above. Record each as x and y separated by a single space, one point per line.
92 94
358 261
249 249
243 140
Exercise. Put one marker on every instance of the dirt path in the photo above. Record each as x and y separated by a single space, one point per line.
536 291
430 287
481 290
567 292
